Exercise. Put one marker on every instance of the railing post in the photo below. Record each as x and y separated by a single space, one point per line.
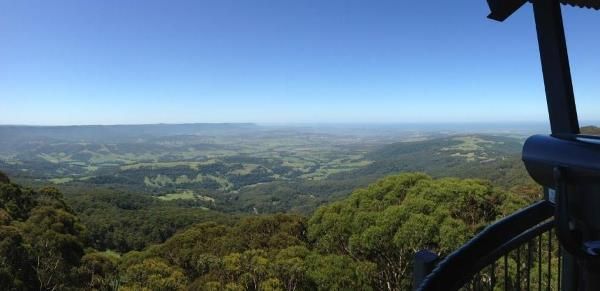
424 263
569 272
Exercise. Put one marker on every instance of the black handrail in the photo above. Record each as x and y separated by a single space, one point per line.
490 244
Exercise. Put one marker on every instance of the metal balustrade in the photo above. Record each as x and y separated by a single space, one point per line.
519 252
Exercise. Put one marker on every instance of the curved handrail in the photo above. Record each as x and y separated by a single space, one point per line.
500 237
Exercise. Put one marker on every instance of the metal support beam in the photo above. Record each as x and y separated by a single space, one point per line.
555 67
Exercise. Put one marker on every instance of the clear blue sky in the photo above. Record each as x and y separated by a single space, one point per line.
112 62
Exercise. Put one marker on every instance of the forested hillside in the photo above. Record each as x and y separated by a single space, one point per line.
493 158
363 242
496 158
122 222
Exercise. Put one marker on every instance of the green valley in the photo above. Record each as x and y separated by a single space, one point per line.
246 167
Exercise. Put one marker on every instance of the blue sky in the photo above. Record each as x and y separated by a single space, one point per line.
280 61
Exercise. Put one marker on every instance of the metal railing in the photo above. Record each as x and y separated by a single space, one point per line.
519 252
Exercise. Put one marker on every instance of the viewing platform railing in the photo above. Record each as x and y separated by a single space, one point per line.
518 252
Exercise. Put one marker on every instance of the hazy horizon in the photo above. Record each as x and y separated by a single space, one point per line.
292 124
525 128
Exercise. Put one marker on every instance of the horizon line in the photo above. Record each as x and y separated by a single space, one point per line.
507 122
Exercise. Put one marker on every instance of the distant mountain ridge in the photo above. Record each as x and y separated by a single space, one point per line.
23 133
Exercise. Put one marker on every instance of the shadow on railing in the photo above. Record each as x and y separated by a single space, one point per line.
518 252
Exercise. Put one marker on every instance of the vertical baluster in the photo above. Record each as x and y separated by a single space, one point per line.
540 262
559 267
506 272
528 265
518 280
549 259
493 276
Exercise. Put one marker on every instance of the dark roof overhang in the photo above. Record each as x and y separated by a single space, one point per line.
502 9
593 4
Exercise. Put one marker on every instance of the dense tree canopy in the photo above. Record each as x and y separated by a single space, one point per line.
123 221
387 222
41 241
363 242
